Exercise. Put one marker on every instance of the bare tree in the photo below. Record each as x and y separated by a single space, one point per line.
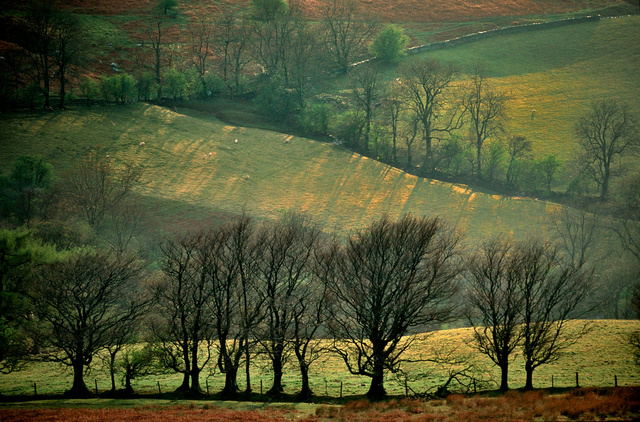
304 59
201 43
184 324
346 30
486 109
157 31
387 280
68 46
234 301
410 128
309 315
576 230
518 148
366 92
606 134
273 23
287 249
233 48
495 300
96 186
425 86
393 107
42 24
83 302
552 294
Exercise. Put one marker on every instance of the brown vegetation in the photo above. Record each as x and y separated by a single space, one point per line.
617 404
398 11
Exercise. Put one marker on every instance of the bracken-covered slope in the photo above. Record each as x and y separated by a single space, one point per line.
396 10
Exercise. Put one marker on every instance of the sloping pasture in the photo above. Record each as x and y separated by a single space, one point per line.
558 72
196 162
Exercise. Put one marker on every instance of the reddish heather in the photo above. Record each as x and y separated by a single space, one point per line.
176 414
396 10
581 404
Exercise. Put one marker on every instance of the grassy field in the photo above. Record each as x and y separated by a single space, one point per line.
194 160
558 72
608 356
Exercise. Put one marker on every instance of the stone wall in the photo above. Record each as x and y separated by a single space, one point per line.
500 31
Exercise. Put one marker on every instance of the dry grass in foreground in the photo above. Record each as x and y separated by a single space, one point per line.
580 404
612 404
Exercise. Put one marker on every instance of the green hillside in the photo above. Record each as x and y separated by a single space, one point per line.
196 161
558 72
193 163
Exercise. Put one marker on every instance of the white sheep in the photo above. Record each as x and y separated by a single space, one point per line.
210 153
235 142
142 144
246 177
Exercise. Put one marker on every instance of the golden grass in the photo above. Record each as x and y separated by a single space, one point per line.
597 357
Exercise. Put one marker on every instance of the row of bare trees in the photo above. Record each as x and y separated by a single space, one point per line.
277 288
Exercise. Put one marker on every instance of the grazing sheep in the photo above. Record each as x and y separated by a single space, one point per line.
286 141
142 144
246 177
210 154
235 142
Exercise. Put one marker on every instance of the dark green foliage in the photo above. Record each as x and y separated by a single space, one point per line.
24 192
390 44
176 84
278 101
146 86
315 118
19 254
268 10
119 88
348 128
89 89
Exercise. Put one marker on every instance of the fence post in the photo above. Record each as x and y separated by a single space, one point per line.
340 389
475 390
260 386
615 380
159 390
207 381
326 389
406 386
552 382
35 389
577 381
96 382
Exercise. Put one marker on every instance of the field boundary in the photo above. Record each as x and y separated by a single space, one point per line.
476 36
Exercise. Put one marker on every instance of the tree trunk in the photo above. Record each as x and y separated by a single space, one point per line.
376 390
247 368
504 378
528 367
230 380
277 375
479 158
185 382
127 385
195 381
63 90
605 185
428 154
79 388
305 392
